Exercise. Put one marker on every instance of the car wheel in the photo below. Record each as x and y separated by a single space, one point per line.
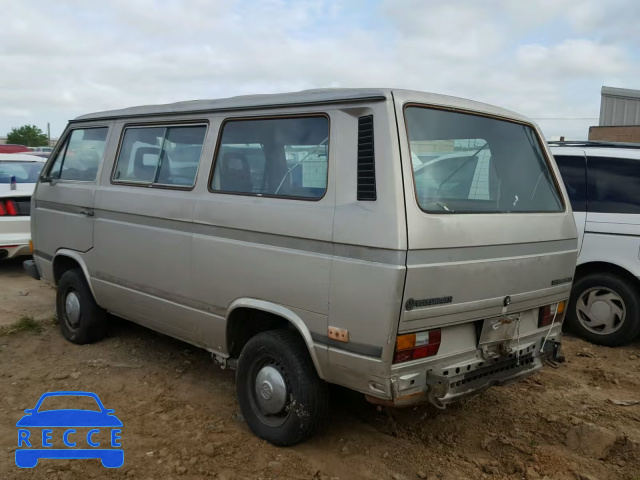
604 309
81 319
280 394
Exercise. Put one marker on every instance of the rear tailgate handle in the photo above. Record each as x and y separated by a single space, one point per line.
86 211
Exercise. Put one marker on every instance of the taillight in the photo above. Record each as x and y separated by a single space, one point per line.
10 207
548 312
417 345
2 210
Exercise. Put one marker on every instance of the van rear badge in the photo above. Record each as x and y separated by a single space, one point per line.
427 302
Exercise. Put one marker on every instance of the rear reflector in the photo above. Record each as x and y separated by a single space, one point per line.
548 312
417 345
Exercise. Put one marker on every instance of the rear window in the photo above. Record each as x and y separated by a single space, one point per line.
464 163
24 172
614 184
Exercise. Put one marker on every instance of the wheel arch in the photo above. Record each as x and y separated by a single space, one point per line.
246 317
65 260
606 267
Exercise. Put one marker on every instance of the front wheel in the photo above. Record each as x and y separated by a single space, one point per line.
81 319
280 394
604 309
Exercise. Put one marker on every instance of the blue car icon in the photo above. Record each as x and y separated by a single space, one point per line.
36 447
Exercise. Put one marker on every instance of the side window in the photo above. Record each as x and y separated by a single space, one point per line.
80 156
574 176
614 184
160 155
284 157
56 164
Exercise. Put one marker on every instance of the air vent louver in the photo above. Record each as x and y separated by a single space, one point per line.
366 160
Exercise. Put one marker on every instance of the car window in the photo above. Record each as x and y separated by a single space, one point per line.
80 156
574 176
23 172
476 164
613 185
464 172
285 157
160 155
63 402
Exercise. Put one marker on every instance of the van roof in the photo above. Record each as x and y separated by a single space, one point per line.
305 97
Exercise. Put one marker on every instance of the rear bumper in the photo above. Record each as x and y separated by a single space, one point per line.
452 385
13 250
14 237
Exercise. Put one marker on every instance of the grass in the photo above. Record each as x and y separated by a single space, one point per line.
24 324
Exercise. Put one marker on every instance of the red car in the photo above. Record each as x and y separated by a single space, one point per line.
11 148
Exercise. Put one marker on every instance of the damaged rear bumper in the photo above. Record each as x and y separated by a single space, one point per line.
441 389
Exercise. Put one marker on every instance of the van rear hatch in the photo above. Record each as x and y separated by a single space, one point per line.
489 228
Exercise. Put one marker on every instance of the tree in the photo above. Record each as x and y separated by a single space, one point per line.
28 135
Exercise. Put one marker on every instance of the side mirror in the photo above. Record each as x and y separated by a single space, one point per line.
29 410
49 179
109 411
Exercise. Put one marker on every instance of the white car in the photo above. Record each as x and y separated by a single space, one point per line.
603 183
42 149
18 176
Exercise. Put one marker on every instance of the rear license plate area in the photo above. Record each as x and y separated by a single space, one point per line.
498 330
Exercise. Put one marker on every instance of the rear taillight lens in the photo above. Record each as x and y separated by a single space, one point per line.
3 212
10 207
417 345
548 312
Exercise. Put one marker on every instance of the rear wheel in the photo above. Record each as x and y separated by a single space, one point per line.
280 394
81 319
604 309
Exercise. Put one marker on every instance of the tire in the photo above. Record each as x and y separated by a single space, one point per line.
596 294
295 415
90 323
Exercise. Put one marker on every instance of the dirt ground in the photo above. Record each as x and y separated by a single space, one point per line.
20 295
181 419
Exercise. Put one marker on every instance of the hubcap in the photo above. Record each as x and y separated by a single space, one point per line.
271 390
72 309
601 310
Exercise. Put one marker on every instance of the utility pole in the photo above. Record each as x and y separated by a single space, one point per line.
48 134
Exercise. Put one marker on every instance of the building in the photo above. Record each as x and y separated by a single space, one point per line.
619 116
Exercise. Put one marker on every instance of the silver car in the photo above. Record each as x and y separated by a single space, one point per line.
412 247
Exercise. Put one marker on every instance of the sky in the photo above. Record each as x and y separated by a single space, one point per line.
546 59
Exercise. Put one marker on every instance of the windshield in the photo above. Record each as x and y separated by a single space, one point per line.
474 164
65 402
24 172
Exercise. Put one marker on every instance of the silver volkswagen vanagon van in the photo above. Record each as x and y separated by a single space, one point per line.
410 246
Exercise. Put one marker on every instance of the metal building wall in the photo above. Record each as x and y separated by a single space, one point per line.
619 107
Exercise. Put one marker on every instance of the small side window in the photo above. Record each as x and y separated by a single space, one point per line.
279 157
80 156
160 155
574 176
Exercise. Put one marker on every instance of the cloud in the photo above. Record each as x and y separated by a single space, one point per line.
543 58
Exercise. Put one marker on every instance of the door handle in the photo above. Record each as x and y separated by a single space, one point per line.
86 211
